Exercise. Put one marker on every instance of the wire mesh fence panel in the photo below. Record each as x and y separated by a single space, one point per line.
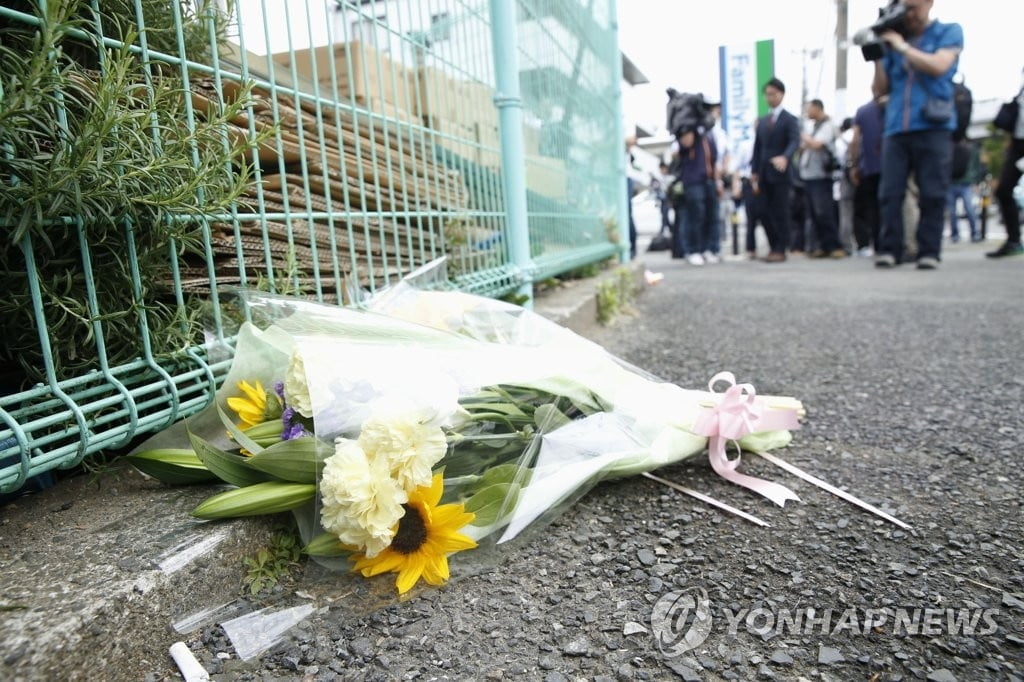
158 155
569 77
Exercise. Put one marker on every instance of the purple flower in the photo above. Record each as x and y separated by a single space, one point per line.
292 432
279 389
292 427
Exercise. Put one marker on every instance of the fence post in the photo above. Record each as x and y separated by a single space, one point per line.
620 138
509 101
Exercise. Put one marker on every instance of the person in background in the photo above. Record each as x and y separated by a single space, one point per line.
917 73
634 179
817 162
865 159
722 211
743 192
801 237
775 142
694 165
966 173
1008 179
664 179
842 189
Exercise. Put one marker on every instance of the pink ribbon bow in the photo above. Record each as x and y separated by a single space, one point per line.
738 412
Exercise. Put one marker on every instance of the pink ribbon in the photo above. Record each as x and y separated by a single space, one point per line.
738 412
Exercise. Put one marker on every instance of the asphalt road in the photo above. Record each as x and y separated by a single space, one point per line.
913 384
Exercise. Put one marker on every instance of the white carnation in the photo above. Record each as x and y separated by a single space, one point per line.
408 447
362 503
296 388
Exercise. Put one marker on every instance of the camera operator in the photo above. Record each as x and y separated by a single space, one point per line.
695 167
917 74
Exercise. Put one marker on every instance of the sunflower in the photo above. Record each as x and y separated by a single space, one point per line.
252 406
424 538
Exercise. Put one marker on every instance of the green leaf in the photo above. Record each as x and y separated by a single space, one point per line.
491 501
326 544
240 436
506 408
547 418
172 466
503 473
497 417
299 460
226 466
269 497
265 434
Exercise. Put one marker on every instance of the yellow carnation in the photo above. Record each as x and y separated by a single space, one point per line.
362 503
408 448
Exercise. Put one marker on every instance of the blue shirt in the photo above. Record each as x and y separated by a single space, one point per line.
910 89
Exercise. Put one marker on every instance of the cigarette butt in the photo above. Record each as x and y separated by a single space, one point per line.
653 278
190 668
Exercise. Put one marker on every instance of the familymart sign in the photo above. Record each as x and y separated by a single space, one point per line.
743 70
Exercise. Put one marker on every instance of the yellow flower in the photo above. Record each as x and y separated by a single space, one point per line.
425 536
252 406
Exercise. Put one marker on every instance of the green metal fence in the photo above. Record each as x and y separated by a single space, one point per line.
157 154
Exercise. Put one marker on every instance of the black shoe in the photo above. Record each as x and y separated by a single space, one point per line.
1007 249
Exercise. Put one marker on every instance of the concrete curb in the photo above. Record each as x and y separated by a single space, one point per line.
94 574
573 304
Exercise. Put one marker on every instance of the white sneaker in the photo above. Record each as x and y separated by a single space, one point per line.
711 258
865 252
695 259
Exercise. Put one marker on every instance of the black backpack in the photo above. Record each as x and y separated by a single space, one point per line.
963 101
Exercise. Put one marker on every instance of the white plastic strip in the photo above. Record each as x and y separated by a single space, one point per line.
796 471
255 632
187 551
190 668
708 500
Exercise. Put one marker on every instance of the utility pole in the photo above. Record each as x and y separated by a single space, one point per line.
842 7
805 54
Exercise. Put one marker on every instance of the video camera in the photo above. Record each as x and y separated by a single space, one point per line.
687 111
890 18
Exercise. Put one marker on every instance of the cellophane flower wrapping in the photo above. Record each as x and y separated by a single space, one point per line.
440 428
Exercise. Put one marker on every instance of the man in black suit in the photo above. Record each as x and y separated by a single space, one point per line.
776 139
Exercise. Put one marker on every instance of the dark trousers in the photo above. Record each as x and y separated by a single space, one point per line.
752 208
632 225
699 220
798 237
867 214
1008 179
928 154
666 222
678 224
775 215
821 207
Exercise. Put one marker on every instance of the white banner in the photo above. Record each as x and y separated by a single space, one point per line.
738 68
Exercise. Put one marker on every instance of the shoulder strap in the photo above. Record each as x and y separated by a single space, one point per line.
707 156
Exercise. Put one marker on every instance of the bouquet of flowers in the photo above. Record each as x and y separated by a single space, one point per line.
434 423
